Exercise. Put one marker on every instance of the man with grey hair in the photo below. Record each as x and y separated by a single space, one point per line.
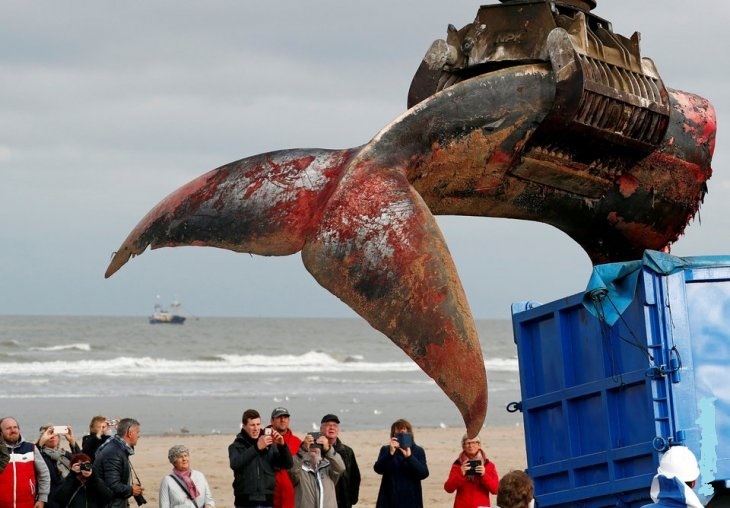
25 481
317 469
113 467
348 486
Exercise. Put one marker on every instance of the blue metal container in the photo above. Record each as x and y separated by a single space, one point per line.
612 377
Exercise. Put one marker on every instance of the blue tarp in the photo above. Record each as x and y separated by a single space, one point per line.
612 286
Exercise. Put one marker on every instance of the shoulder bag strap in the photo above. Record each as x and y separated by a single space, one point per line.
185 489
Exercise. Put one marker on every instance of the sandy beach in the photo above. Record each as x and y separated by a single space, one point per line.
504 446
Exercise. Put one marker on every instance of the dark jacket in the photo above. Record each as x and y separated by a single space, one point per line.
91 443
4 455
56 475
254 470
113 468
348 488
90 494
401 482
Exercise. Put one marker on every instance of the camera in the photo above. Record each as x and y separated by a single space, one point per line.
315 436
267 431
85 466
140 500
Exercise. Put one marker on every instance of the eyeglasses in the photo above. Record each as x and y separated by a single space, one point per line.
470 443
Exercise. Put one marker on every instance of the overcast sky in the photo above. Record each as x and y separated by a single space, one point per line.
106 107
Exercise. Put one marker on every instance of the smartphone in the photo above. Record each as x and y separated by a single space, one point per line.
405 439
60 430
473 466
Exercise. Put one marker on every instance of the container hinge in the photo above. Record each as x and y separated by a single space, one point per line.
675 365
513 407
662 444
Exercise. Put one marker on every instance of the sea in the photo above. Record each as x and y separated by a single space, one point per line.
200 376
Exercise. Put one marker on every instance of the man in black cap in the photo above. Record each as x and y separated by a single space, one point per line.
284 490
348 487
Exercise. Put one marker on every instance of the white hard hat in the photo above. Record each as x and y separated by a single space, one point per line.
679 461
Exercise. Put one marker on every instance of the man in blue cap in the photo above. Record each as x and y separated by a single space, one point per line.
348 486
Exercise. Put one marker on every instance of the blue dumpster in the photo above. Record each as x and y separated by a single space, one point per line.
614 376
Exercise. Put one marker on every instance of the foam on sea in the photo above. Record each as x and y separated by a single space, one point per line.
80 346
310 362
502 364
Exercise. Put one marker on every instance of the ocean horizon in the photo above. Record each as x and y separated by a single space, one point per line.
199 377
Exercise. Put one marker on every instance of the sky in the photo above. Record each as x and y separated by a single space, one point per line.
106 107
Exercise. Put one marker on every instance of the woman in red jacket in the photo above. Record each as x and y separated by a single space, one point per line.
472 476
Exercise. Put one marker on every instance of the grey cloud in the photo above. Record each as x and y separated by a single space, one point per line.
109 106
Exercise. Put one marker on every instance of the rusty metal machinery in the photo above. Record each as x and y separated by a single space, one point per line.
606 94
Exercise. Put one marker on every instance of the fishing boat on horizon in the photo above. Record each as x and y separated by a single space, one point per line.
164 316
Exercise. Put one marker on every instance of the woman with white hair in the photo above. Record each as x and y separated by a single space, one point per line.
473 476
184 487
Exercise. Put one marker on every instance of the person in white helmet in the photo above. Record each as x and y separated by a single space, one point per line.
676 477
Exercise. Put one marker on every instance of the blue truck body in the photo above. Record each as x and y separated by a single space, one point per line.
610 378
